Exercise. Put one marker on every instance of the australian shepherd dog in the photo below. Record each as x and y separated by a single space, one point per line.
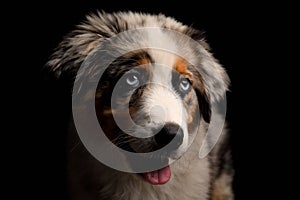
144 91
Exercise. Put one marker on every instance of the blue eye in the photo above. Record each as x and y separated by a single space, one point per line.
184 85
133 80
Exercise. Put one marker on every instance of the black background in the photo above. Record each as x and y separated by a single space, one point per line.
241 36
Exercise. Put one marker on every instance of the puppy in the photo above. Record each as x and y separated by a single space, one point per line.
151 83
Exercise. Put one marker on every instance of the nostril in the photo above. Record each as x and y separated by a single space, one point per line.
170 132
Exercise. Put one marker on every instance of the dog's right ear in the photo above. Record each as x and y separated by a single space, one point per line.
77 45
71 52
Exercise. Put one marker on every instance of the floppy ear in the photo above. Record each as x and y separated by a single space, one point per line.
76 46
215 78
202 96
211 81
205 106
72 51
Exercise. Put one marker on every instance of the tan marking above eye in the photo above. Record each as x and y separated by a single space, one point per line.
142 61
181 67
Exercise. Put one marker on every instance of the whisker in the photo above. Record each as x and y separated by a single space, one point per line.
74 147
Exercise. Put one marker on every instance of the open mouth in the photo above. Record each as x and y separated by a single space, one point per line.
164 146
158 177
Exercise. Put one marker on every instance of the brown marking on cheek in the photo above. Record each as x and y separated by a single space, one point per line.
88 96
181 67
106 117
191 106
112 130
108 126
107 111
132 111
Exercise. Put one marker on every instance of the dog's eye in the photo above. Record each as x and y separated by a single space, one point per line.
184 85
132 80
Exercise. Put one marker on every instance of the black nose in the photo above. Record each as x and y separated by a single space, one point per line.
170 132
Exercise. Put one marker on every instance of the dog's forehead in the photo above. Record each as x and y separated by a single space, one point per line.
163 57
162 66
158 40
166 60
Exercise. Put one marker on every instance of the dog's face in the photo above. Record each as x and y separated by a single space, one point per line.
147 100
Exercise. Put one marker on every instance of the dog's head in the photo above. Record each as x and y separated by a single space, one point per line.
147 98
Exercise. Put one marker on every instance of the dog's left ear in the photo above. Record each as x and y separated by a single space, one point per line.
203 96
212 80
204 105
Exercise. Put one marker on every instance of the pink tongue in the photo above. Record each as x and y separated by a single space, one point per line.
158 177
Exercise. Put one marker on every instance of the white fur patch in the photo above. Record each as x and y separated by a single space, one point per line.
162 103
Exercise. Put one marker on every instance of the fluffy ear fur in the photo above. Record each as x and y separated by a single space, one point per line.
76 46
215 81
215 78
203 102
210 80
213 75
